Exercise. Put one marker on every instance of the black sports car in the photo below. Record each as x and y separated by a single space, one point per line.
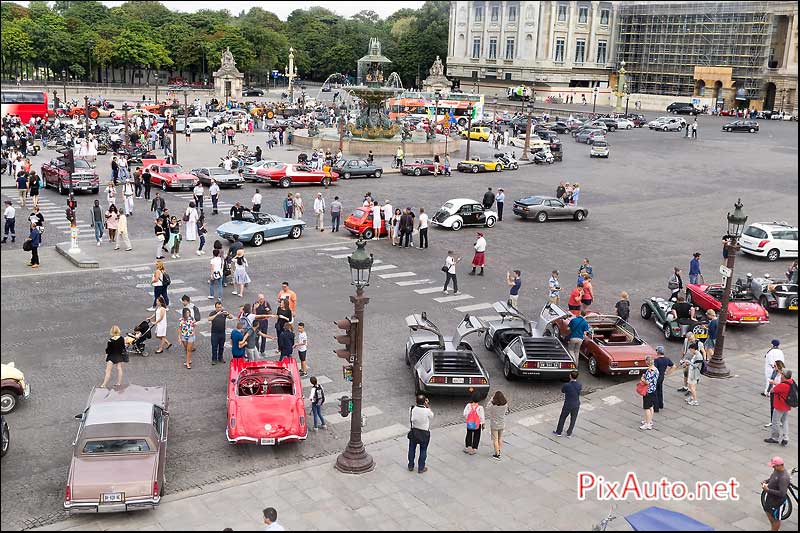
253 92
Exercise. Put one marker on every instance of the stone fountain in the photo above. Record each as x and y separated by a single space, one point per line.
373 121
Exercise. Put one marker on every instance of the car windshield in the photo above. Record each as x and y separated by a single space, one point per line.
532 200
264 385
98 447
81 163
601 144
170 169
448 207
217 172
358 213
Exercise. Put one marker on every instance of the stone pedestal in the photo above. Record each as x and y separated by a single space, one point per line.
228 81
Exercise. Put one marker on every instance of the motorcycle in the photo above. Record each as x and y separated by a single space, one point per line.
543 156
508 160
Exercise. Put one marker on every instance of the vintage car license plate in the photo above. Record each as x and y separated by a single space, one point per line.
457 380
112 497
549 364
633 372
792 308
267 442
701 335
749 318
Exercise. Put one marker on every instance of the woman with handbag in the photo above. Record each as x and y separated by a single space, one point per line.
186 333
159 287
116 355
475 418
174 244
112 220
694 362
647 390
215 281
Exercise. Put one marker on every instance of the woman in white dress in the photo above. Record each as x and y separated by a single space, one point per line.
111 193
240 277
298 206
160 325
191 223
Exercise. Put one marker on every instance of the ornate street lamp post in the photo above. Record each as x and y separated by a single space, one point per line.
627 98
528 130
125 108
469 127
174 124
185 108
620 86
355 459
64 79
716 366
494 106
594 102
342 122
86 118
291 74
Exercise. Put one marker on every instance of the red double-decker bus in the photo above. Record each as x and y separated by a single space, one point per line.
24 104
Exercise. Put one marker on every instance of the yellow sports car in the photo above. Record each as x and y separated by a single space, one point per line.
476 165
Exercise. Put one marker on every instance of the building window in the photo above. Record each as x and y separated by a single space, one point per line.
508 76
509 48
605 15
559 51
562 12
512 13
495 13
583 14
478 14
580 50
474 74
476 48
493 48
602 47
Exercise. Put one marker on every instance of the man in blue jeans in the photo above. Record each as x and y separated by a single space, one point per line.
420 416
572 404
217 317
694 269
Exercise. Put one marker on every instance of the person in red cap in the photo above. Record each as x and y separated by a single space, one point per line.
776 488
479 259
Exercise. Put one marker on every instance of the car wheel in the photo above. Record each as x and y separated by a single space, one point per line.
456 225
593 370
646 312
368 234
296 232
6 441
326 181
507 373
579 216
773 254
752 130
378 173
8 401
257 240
667 332
285 182
488 343
628 127
346 175
474 169
514 166
541 217
727 129
417 172
164 186
490 222
60 188
498 168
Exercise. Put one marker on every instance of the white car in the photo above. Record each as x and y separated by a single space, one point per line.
658 124
460 212
773 240
625 124
536 143
672 124
195 123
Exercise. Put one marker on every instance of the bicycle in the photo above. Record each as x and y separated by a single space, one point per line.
605 521
786 510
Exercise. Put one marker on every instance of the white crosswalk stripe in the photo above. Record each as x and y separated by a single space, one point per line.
427 290
413 282
445 299
335 249
476 307
396 275
383 267
340 256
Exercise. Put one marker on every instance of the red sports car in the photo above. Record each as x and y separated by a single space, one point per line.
265 403
742 307
359 223
287 174
169 176
420 167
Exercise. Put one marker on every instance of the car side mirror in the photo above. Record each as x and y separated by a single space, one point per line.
78 416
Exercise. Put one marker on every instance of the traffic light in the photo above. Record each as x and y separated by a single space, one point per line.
345 406
348 340
68 158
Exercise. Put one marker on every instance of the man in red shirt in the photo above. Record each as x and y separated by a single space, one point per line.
780 416
574 303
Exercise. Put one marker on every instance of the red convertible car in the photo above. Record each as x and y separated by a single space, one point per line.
287 174
265 403
613 348
169 176
742 307
420 167
359 223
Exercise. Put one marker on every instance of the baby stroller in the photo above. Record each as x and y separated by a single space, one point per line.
134 339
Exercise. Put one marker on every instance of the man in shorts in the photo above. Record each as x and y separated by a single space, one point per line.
301 343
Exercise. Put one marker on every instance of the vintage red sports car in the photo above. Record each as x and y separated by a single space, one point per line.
169 176
742 306
265 402
614 347
420 167
287 174
359 223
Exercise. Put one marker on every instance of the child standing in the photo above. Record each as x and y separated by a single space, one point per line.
317 399
623 306
302 346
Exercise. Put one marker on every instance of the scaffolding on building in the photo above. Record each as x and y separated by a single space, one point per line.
661 43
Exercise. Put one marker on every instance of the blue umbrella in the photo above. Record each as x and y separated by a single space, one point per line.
659 519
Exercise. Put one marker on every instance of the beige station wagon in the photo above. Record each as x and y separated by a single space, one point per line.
119 452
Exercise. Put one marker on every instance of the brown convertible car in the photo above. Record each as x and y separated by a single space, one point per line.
119 452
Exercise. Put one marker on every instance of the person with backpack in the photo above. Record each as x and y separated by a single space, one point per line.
474 416
785 398
777 374
419 434
160 281
317 399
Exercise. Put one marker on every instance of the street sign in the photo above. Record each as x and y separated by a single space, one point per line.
725 271
347 372
275 73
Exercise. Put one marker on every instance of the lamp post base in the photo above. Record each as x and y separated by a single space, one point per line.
716 369
354 460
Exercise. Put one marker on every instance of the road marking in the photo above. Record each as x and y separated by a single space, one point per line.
144 276
427 290
473 307
445 299
206 308
413 282
396 275
611 400
335 249
370 410
395 430
321 380
383 267
340 256
585 406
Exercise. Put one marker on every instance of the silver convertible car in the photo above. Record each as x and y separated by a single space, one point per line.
544 208
256 228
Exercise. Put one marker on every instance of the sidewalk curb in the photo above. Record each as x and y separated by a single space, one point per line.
80 259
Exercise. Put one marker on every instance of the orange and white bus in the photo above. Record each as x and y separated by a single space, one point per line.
424 105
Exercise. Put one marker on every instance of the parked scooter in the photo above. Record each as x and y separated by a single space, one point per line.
509 160
543 156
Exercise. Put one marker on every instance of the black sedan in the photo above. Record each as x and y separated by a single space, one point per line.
253 92
750 126
357 168
560 127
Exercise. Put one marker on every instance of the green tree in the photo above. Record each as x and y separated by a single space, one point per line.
15 47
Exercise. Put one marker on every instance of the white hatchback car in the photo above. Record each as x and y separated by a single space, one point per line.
773 240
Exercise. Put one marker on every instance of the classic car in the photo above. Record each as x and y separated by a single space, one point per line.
85 178
524 348
544 208
770 293
599 149
659 310
195 123
250 169
560 127
596 124
265 403
772 240
612 348
742 307
610 123
750 126
253 92
13 387
658 124
476 165
257 228
224 178
6 436
356 168
588 136
359 223
288 174
638 119
477 133
459 212
420 167
535 143
169 176
445 365
120 451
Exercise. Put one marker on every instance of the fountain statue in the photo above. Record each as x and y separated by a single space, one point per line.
373 122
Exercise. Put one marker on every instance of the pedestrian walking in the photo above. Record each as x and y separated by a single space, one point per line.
449 269
694 269
475 418
214 192
572 404
22 187
496 411
777 489
785 394
336 213
301 343
675 284
114 170
298 207
146 182
218 318
197 195
174 243
186 332
271 518
623 306
137 182
159 324
34 241
111 193
777 375
479 259
128 193
501 200
554 288
665 367
240 277
10 221
33 187
116 356
514 281
319 212
650 380
773 355
488 199
317 399
578 330
112 222
122 233
160 281
694 363
423 228
419 434
694 129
